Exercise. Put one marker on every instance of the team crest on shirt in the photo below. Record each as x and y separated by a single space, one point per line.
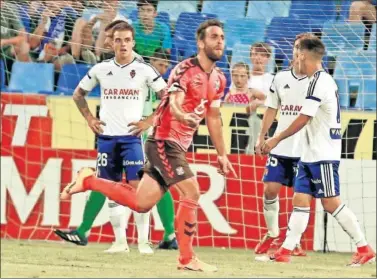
133 73
217 85
180 171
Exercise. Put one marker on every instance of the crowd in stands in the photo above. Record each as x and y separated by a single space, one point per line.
66 32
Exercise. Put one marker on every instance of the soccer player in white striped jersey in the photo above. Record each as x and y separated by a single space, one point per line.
287 93
318 169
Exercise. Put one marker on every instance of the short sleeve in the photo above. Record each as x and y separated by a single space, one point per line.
179 79
154 79
90 80
272 100
166 42
315 96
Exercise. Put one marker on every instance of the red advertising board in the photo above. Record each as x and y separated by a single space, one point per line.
33 173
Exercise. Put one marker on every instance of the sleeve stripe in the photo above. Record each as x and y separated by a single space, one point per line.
272 91
312 84
156 78
313 98
89 76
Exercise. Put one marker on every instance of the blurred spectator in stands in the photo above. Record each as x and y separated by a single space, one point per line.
160 60
91 34
13 40
239 92
51 32
150 35
364 11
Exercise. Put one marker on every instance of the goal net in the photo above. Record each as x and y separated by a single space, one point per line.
46 50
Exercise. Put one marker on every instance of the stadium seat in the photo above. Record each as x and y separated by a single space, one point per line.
70 77
241 53
317 12
162 17
32 77
175 8
340 36
282 32
345 10
184 42
225 9
2 75
245 31
366 97
267 10
372 40
126 7
89 12
24 16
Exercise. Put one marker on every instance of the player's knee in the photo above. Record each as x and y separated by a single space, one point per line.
271 191
330 204
301 200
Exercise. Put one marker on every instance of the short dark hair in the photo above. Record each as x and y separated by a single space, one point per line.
304 35
242 65
112 24
313 45
201 31
141 3
161 54
124 26
261 47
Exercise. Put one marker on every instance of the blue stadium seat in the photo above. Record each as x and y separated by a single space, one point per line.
2 75
241 53
350 70
340 36
70 77
225 9
126 7
267 10
282 32
32 77
345 9
317 12
24 16
184 42
175 8
366 97
372 40
245 31
162 17
89 12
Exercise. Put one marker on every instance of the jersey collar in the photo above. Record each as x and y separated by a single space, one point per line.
296 77
125 65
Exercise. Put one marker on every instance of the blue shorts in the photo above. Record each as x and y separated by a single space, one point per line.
320 180
117 154
281 170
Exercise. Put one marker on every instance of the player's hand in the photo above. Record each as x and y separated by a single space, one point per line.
191 119
95 125
138 127
225 166
269 145
258 145
252 107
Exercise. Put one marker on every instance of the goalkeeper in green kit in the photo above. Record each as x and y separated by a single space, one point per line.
165 206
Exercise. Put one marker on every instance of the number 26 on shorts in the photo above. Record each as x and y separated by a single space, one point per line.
271 161
101 160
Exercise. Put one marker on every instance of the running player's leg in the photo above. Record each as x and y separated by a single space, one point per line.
328 190
165 209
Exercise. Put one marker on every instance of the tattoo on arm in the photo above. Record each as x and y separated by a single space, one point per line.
81 103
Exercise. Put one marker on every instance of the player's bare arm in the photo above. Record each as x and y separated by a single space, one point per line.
214 125
295 127
82 105
268 118
176 100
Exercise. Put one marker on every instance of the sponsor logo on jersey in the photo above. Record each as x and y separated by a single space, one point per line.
200 109
132 73
124 94
316 181
133 163
335 133
180 171
290 109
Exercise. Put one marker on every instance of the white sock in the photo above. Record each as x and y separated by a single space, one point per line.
142 225
349 223
297 225
118 221
271 216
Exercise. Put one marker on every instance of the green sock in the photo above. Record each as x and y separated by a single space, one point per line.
92 207
165 208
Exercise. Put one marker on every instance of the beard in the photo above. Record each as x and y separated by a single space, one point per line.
212 55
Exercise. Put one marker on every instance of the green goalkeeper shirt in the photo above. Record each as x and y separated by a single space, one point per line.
148 108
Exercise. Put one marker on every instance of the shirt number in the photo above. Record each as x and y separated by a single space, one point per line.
101 160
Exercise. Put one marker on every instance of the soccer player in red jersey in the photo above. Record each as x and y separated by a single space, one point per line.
194 92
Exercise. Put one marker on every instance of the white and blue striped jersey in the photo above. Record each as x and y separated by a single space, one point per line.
322 135
287 93
124 89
